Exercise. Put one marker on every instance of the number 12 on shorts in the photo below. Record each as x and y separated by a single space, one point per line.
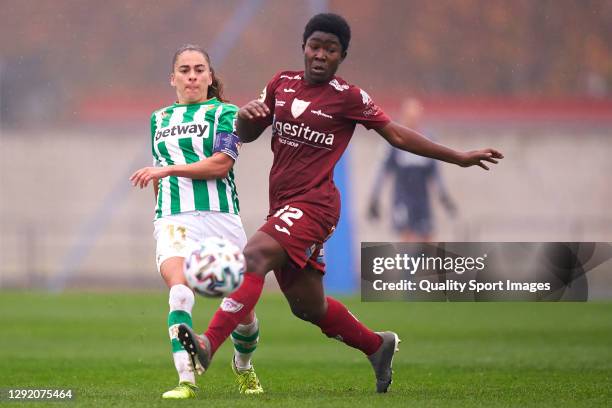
287 214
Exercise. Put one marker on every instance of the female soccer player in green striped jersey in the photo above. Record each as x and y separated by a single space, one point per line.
194 149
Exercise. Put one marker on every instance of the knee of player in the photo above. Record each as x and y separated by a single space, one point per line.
256 260
181 298
263 254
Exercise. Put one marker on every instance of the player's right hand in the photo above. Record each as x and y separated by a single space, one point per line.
142 177
254 110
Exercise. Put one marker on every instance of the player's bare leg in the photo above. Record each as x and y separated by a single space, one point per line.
305 294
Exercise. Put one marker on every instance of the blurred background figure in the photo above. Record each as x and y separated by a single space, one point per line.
414 179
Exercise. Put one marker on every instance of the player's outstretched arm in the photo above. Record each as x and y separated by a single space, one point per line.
249 124
412 141
215 167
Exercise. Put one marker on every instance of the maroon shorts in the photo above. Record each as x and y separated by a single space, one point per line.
301 229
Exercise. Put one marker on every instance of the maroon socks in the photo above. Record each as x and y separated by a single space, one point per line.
233 309
340 324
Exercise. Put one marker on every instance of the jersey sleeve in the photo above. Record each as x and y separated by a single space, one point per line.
361 108
226 140
227 120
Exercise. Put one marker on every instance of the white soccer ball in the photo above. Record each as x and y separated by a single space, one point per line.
215 267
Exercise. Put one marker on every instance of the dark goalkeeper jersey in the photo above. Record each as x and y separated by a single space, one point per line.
311 127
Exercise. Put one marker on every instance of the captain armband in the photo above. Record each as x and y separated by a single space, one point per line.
227 143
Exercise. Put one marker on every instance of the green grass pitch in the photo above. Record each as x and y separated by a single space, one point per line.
113 350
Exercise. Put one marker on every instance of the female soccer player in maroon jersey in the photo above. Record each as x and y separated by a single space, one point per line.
313 114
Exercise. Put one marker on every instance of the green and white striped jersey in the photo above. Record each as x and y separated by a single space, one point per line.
183 134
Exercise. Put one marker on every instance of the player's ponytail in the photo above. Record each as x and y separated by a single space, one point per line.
215 90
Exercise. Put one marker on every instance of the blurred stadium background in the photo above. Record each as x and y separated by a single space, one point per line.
79 79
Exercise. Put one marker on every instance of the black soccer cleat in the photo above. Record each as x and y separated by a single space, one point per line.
382 360
197 346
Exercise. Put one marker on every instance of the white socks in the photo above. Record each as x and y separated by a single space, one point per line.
181 300
182 362
245 338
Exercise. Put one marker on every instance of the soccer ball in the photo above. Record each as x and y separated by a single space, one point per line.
215 267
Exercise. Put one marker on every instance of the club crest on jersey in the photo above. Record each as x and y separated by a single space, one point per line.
298 107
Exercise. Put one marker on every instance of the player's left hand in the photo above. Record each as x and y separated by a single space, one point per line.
143 176
477 157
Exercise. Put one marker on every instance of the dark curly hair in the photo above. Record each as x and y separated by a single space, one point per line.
329 23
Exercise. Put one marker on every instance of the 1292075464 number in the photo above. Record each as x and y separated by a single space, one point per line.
12 394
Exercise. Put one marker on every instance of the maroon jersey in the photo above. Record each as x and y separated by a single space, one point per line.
311 127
